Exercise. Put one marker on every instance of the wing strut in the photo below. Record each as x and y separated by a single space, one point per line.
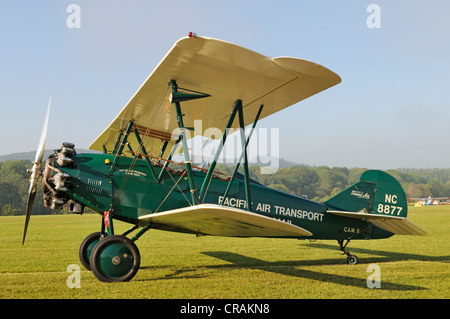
244 152
176 98
207 180
118 148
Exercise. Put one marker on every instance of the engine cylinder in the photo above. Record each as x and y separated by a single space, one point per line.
61 180
65 153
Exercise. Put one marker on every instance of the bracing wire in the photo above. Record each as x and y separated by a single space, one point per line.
133 162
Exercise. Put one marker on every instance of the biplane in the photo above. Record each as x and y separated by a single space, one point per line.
133 177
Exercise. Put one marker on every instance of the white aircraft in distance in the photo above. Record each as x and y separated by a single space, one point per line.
427 201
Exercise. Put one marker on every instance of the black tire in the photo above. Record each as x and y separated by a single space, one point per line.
86 248
115 259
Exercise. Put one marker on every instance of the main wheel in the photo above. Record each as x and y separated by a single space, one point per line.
114 259
86 248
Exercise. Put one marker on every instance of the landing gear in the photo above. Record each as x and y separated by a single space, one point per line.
114 259
111 258
351 259
86 248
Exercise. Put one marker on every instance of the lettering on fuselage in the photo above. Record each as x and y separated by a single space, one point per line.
360 194
233 202
351 230
282 213
298 213
132 172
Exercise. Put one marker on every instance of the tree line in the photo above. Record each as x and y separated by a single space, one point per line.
14 186
317 183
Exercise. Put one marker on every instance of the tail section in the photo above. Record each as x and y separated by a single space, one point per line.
379 199
375 193
355 198
390 198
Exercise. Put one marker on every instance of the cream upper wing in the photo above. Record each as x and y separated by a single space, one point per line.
223 70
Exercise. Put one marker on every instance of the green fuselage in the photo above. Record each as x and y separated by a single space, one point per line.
130 191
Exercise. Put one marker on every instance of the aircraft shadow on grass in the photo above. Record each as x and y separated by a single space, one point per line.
384 256
290 268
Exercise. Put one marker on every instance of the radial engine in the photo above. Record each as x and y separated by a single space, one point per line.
56 182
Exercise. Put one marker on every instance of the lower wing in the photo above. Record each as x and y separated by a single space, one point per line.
217 220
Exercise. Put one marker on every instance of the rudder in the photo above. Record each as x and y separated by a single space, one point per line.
390 198
376 192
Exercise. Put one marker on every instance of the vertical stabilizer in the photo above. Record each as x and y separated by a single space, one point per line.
377 193
390 198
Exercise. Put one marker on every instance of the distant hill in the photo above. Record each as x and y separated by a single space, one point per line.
285 163
29 156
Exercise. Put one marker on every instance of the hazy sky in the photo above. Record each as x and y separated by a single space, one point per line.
391 110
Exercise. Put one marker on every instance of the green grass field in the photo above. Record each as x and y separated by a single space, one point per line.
184 266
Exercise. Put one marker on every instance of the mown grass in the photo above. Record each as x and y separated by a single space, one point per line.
184 266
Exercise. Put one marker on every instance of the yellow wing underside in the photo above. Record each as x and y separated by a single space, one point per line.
217 220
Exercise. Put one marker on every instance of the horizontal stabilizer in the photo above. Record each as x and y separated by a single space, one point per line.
217 220
393 224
